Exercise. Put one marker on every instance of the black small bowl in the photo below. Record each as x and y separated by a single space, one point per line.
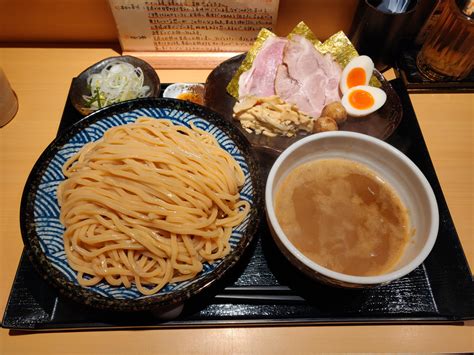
79 84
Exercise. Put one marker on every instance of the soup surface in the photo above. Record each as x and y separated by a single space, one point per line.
341 215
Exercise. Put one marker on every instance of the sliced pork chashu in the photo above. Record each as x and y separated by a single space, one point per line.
307 78
259 80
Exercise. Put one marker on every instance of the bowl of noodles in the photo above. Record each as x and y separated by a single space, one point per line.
141 205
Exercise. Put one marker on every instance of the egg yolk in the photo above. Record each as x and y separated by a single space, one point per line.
361 99
356 77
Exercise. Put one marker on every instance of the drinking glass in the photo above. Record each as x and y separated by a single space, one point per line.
448 51
8 100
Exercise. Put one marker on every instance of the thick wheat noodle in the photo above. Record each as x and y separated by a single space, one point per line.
148 204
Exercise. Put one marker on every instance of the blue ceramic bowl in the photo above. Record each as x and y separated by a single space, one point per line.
42 231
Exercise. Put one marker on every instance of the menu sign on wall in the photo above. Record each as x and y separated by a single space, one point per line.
191 25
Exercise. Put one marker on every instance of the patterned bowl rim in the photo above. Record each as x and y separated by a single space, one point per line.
158 301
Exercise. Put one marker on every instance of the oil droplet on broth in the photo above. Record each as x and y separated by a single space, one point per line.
341 215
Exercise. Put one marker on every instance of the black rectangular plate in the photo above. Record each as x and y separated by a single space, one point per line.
264 289
414 81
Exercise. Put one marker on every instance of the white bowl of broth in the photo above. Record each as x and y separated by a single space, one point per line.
350 210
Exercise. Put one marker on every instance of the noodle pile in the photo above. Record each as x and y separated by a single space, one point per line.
148 204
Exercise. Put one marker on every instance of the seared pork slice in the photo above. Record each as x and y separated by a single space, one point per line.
259 80
290 90
307 78
333 72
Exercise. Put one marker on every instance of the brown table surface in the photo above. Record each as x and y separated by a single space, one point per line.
41 79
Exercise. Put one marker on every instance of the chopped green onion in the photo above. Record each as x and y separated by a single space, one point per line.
118 81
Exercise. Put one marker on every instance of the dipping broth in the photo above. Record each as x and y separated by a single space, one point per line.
343 216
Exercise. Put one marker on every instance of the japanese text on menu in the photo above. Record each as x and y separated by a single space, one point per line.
192 26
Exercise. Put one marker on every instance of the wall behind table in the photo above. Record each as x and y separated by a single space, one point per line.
56 21
91 21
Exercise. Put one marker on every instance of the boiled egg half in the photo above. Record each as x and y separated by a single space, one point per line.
357 72
362 100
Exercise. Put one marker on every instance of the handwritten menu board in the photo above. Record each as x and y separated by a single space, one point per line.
191 25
